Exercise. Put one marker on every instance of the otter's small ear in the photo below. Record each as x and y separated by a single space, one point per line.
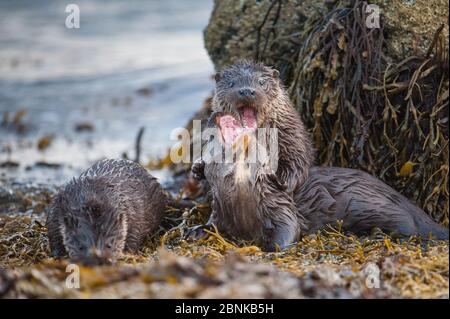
275 74
218 76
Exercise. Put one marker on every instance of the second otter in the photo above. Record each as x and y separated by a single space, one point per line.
109 209
276 208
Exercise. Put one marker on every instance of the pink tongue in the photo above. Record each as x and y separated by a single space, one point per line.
230 128
249 117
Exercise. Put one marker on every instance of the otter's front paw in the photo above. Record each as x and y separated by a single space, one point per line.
196 233
214 118
198 170
57 249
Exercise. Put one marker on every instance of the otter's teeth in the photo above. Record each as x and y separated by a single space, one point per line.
240 120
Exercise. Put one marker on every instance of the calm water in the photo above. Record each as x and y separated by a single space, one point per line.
66 77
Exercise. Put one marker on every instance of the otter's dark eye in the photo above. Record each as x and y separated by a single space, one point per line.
109 246
262 81
231 84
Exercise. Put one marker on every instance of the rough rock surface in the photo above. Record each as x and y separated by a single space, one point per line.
235 26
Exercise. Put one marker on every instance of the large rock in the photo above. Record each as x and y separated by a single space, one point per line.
266 29
410 24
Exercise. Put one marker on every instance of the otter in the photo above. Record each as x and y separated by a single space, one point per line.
248 199
252 93
362 202
107 210
275 208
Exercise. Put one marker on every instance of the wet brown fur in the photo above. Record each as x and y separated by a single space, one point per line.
362 202
274 110
109 209
276 208
259 206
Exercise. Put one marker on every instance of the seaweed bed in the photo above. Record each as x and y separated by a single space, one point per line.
329 264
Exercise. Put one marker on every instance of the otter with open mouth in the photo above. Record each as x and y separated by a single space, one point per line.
253 97
274 207
250 201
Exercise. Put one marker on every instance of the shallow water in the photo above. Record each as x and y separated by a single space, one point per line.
131 64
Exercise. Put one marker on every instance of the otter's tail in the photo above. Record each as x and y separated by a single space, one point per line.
431 227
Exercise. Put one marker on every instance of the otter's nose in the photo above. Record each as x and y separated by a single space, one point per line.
247 92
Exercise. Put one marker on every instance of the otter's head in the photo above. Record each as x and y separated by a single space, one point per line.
246 90
92 227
